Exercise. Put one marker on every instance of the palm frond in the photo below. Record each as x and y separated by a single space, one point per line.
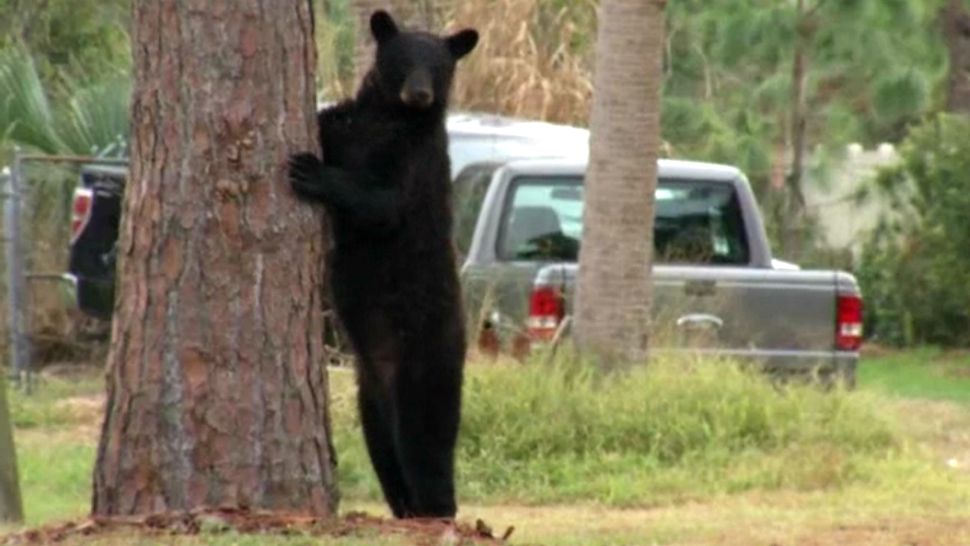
26 116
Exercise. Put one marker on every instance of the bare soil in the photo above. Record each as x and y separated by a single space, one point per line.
170 525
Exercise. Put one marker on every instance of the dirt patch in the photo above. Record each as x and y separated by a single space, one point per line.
943 426
768 519
83 407
417 531
902 533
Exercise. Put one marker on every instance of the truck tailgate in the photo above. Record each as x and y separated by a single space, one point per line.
764 313
744 309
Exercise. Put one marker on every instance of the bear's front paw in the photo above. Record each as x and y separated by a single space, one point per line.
304 173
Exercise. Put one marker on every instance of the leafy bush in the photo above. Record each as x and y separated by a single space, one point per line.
915 269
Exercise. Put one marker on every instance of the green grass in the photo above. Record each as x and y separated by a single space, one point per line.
51 403
55 476
55 428
929 374
657 444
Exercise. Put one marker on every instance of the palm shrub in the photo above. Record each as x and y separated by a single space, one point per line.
82 115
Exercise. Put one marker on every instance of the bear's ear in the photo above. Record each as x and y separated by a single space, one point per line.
382 26
461 43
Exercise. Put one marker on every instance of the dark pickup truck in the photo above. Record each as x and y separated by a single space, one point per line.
95 219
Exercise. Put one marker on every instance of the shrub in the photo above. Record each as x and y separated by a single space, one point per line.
915 268
680 428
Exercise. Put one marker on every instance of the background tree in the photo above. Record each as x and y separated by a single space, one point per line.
763 84
65 34
217 394
955 19
10 504
614 291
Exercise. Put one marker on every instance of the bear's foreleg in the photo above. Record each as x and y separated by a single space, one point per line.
352 194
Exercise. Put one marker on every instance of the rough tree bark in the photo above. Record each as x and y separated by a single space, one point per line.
217 394
614 291
956 32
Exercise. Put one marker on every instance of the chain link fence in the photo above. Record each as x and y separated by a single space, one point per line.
41 323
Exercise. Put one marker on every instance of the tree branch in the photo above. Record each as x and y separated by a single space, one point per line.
814 9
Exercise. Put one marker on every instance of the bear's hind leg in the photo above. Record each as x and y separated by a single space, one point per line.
377 416
428 419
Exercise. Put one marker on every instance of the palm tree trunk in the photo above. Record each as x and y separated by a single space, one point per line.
614 289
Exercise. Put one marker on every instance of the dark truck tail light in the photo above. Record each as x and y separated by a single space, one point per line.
546 311
848 322
80 211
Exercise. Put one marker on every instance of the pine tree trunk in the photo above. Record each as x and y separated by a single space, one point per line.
614 291
217 393
956 32
798 127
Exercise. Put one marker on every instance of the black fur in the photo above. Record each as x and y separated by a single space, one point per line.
385 182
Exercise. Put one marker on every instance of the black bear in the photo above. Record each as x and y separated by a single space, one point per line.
385 180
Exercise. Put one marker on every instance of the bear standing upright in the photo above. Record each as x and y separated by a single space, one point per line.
385 180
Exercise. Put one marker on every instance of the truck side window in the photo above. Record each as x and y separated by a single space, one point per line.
542 219
468 194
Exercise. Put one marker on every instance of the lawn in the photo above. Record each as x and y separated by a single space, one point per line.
702 456
928 374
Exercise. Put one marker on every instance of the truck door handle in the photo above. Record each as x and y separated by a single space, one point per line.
700 288
699 321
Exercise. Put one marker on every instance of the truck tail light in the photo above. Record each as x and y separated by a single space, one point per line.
546 311
848 322
80 211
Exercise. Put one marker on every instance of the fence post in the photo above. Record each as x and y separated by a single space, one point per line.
16 285
11 508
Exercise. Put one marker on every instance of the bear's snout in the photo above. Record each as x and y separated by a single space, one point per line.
417 91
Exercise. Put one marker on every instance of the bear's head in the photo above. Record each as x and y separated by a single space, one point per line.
415 69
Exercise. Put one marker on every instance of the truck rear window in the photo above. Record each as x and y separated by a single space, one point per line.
696 222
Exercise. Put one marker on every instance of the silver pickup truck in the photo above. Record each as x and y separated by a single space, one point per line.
717 288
